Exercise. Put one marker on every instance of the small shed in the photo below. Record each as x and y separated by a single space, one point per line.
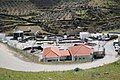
2 36
84 35
18 34
99 51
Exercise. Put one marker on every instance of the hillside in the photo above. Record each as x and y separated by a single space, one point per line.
16 7
108 72
95 15
59 16
45 3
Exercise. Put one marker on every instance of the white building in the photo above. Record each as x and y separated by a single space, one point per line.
2 36
65 36
84 35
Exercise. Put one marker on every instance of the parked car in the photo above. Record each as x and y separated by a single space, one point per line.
4 41
119 51
116 47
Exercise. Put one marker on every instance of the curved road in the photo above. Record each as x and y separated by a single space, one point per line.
9 61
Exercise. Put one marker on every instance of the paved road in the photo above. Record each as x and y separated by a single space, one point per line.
9 61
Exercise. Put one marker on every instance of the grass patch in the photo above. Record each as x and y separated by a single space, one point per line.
108 72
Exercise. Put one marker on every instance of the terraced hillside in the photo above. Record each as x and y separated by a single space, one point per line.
96 15
45 3
59 16
16 7
24 7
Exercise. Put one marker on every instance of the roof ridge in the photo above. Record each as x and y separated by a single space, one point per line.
87 46
47 51
55 52
78 48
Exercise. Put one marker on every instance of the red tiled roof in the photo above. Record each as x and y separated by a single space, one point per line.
80 50
54 52
64 53
51 52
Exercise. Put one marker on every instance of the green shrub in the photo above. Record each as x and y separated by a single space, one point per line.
77 69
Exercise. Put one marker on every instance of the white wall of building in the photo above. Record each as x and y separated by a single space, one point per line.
84 35
2 36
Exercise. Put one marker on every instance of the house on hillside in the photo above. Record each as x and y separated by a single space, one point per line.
81 53
30 30
51 54
54 54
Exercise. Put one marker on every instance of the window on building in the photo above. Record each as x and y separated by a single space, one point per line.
79 58
83 58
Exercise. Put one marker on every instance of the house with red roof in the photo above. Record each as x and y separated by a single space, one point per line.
51 54
65 55
81 53
54 54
